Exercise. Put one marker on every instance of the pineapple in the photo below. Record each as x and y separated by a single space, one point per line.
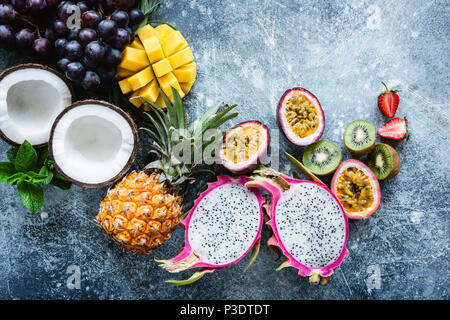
141 211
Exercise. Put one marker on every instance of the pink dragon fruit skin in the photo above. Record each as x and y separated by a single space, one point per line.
316 274
188 258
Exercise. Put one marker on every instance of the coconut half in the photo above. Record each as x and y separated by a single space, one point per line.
31 97
93 143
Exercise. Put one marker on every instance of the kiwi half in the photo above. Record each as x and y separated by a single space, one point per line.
322 157
384 161
360 137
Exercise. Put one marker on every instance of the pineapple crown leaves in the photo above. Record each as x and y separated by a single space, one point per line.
171 128
149 8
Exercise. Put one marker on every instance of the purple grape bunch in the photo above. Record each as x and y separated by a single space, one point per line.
87 53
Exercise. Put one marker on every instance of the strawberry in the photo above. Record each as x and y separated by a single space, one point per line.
388 102
395 129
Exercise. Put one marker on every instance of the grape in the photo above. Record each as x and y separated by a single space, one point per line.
136 16
60 28
90 65
91 19
87 35
95 51
91 81
130 32
83 5
125 5
6 36
60 46
107 29
35 6
73 33
121 39
64 8
121 17
49 34
107 74
75 71
73 50
108 6
113 57
41 46
25 38
62 64
19 5
7 13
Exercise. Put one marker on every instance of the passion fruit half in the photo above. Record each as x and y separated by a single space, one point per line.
243 146
300 116
357 189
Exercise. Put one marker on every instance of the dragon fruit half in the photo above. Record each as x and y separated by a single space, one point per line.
309 225
221 228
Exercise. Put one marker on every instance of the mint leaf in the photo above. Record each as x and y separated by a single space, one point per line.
34 177
6 170
31 195
16 177
11 155
26 158
47 173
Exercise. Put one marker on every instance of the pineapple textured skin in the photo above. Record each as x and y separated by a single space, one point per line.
139 212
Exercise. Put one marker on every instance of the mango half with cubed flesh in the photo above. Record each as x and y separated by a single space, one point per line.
158 58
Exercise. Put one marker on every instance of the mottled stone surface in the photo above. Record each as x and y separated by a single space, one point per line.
249 52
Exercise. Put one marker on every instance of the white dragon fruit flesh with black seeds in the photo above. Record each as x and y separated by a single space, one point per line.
309 225
223 225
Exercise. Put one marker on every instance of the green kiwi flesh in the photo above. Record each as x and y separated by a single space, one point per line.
303 169
384 161
322 157
360 137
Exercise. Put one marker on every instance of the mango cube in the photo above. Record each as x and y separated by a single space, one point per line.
137 44
133 59
186 73
162 67
150 91
141 78
146 32
163 30
137 102
173 42
166 82
123 73
181 58
186 86
153 49
125 86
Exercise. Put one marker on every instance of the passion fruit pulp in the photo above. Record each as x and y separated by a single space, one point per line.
300 116
357 189
243 146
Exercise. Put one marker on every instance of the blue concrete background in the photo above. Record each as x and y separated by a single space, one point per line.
249 52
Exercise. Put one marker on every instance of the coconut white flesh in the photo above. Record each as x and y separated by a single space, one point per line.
92 143
30 101
224 224
311 225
